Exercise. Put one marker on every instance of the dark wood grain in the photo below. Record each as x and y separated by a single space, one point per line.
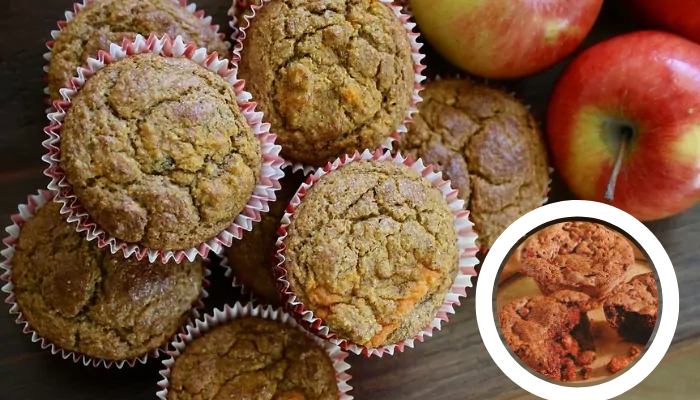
452 365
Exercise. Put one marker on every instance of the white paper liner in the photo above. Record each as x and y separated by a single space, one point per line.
239 35
27 212
238 310
228 272
465 242
78 6
271 162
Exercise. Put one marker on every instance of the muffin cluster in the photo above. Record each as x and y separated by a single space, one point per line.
580 268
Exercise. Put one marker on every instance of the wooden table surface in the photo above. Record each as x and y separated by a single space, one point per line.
453 364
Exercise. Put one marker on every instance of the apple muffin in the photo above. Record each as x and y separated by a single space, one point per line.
372 250
550 334
331 77
632 308
158 152
253 358
107 21
86 300
490 147
582 256
251 259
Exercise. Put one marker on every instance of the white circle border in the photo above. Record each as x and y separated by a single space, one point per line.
586 209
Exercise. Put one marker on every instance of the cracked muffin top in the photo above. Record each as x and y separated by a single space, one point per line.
578 255
372 250
331 76
253 358
640 295
106 21
86 300
158 152
489 146
251 259
540 330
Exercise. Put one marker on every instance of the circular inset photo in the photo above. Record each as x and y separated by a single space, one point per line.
577 301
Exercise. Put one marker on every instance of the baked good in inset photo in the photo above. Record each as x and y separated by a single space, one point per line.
633 307
98 24
85 300
251 259
621 361
253 358
582 256
331 77
490 147
550 334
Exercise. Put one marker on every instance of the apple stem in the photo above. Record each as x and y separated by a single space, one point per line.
626 136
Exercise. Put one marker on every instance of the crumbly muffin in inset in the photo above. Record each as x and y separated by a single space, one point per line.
86 300
106 21
158 152
550 334
632 308
330 76
582 256
253 358
621 361
251 259
372 251
488 145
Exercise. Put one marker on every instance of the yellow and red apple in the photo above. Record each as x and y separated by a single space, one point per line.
505 38
678 16
634 99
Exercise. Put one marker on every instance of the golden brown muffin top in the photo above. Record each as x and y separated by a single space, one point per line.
253 358
372 250
489 146
331 76
639 295
158 152
86 300
108 21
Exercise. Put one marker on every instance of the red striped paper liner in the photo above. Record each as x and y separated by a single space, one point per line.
27 212
465 242
79 6
239 35
271 162
238 310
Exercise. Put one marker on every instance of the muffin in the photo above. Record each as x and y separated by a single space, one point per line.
632 308
331 77
488 145
372 251
253 358
581 256
86 300
106 21
550 334
251 259
158 152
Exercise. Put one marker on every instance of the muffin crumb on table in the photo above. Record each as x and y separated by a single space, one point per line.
86 300
331 77
372 251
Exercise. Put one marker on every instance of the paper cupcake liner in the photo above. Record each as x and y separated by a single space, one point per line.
79 6
238 310
27 212
465 242
235 283
264 191
250 8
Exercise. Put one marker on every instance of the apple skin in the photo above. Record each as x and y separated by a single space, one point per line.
648 81
678 16
504 39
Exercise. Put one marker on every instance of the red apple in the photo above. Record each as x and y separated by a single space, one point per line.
679 16
505 38
636 96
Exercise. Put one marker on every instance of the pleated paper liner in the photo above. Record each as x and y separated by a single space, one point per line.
230 313
243 12
79 6
26 212
465 243
165 46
